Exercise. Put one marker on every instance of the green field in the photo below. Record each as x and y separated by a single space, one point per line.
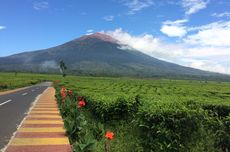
16 80
144 114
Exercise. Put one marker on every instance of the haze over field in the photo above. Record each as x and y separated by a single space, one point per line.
192 33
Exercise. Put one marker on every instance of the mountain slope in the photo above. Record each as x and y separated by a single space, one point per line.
98 54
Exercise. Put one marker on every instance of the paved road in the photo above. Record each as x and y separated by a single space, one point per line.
13 108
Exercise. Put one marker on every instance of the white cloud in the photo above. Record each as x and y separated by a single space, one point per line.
177 22
207 52
174 28
214 34
109 18
2 27
41 5
208 65
137 5
89 31
147 44
173 31
211 58
225 14
193 6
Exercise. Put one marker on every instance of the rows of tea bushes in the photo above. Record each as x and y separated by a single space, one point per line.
120 108
157 120
182 127
144 114
171 126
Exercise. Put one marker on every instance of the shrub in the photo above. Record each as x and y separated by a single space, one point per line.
171 127
120 109
217 110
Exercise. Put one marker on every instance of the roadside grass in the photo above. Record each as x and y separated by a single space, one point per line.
10 81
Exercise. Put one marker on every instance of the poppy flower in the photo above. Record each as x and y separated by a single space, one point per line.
109 135
81 103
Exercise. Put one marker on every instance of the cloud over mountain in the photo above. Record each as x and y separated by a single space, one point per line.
213 34
174 28
182 52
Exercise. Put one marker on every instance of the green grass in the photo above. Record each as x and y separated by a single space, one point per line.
10 81
147 114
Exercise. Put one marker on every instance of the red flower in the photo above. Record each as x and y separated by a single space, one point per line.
63 93
63 88
79 98
70 93
109 135
81 103
63 96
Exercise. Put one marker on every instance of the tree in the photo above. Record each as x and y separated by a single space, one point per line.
62 68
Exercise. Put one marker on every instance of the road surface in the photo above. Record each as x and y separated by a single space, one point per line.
13 108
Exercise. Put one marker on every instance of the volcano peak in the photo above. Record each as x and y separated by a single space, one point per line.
100 36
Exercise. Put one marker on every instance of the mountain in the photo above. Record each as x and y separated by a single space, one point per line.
99 54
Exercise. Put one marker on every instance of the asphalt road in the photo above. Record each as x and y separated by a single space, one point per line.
13 108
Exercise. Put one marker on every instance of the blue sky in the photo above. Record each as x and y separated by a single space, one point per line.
193 33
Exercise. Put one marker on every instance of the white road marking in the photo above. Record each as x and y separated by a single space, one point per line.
24 94
5 102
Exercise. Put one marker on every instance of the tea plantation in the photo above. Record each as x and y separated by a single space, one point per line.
145 115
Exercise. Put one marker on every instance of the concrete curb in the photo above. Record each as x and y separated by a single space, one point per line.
42 130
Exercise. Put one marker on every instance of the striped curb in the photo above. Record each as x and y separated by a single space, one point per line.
42 130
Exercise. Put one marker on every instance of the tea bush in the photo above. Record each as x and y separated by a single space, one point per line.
160 126
170 127
121 108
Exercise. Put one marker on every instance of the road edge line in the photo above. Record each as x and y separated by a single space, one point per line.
13 91
31 107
